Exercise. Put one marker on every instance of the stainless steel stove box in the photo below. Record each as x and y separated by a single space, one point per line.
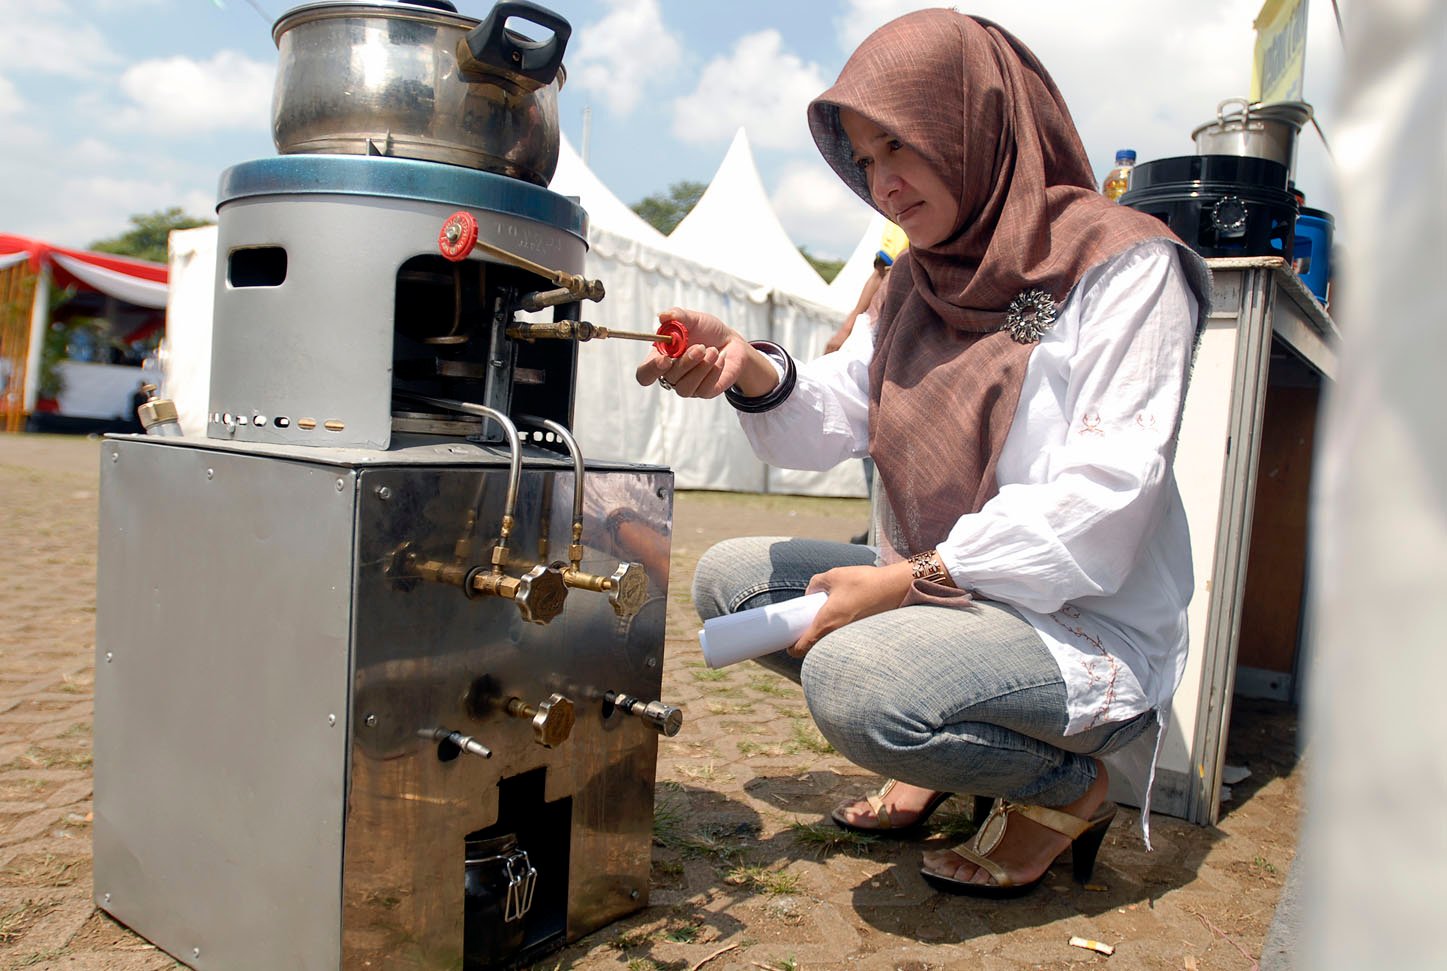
271 791
372 691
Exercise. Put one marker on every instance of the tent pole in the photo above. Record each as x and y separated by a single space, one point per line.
39 319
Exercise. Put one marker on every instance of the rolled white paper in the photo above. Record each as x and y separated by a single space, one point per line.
753 633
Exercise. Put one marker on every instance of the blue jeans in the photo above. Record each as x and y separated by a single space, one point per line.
953 700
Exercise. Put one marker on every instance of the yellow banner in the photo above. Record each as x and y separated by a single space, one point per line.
1279 64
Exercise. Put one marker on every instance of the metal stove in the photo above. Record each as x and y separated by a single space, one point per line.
379 658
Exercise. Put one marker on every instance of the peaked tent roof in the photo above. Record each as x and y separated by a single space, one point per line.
735 229
605 210
849 282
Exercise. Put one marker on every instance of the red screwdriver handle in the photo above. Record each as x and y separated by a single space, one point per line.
674 339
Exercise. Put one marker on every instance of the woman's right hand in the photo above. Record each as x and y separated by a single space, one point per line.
717 358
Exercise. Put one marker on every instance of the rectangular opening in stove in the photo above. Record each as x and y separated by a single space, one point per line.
516 877
257 266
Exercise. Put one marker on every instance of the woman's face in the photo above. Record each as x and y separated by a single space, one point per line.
904 186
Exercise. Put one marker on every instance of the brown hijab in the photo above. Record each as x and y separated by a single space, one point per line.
949 353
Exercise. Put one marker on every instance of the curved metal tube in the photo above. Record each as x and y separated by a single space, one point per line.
575 552
515 470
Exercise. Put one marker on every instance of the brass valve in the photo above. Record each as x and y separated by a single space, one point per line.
538 593
552 720
626 587
665 719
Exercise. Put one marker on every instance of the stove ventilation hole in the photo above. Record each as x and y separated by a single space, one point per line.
259 421
282 421
226 418
307 423
333 425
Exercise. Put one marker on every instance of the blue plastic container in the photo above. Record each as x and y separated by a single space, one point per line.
1312 253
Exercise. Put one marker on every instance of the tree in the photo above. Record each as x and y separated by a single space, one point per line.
148 235
828 269
664 211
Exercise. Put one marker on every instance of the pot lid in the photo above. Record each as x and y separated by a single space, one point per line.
439 12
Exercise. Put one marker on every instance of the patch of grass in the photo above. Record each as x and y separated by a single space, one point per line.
40 957
826 838
641 964
723 708
668 819
669 868
761 878
709 674
683 933
955 824
807 738
703 771
16 920
777 687
1261 863
49 759
46 870
80 728
630 939
750 749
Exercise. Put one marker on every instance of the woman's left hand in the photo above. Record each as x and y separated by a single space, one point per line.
855 592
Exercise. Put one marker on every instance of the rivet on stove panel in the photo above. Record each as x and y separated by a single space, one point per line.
334 425
282 421
259 421
226 418
241 420
307 423
210 474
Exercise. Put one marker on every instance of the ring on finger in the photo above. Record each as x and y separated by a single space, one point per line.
663 383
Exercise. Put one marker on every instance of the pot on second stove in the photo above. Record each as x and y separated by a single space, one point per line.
419 80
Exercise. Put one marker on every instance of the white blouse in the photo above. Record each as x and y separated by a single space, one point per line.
1087 536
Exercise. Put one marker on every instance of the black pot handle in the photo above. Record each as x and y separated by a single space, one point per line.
493 45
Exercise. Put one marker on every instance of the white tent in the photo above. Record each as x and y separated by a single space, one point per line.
849 282
574 178
734 228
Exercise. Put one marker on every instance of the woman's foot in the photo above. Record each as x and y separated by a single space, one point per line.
897 806
1027 848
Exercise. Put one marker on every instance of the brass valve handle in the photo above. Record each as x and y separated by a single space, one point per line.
626 587
538 593
552 720
671 339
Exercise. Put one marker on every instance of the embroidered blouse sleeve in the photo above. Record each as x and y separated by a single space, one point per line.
1086 469
826 419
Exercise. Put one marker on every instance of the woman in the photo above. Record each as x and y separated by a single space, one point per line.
1026 612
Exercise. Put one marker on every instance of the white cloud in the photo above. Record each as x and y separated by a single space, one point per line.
180 95
10 101
759 86
818 210
607 60
51 37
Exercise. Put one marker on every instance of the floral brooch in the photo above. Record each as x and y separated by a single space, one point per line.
1029 316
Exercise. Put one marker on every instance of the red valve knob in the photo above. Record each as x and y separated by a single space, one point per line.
675 339
458 236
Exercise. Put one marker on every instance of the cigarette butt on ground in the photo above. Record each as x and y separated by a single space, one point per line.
1090 945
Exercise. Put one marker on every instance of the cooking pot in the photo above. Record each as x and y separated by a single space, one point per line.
419 80
1259 130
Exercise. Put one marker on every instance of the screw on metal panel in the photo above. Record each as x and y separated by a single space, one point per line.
115 456
340 485
384 493
106 899
195 952
331 719
653 662
109 655
210 473
633 895
370 721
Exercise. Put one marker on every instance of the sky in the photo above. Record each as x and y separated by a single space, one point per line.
116 107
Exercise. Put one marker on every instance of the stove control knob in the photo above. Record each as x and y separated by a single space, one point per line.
665 719
540 594
628 589
458 236
552 720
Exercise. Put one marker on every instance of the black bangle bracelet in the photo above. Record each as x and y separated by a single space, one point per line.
782 390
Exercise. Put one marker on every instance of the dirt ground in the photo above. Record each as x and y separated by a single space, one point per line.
747 873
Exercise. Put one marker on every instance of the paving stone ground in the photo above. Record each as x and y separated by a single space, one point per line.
747 872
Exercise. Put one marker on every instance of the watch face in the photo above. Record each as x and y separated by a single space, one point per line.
1229 216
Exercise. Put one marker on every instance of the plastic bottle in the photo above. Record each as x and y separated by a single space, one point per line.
1118 181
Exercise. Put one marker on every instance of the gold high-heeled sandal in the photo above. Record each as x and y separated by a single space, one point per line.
1085 837
884 824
